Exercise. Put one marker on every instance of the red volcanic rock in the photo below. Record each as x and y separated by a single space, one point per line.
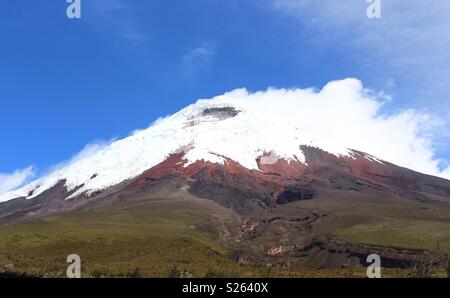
173 164
275 182
269 163
276 176
360 166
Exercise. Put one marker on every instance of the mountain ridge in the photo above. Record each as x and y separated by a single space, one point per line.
210 130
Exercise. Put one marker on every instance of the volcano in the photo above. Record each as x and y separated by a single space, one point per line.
268 191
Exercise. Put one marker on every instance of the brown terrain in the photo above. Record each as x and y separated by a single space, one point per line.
330 213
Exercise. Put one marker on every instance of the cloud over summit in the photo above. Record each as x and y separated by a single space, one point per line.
346 113
14 180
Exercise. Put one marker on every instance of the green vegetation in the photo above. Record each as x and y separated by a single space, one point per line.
176 237
409 234
138 244
387 221
112 244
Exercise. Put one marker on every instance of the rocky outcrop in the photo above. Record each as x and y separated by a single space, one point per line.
221 112
391 257
292 194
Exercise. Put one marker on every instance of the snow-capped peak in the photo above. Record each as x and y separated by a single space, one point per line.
206 130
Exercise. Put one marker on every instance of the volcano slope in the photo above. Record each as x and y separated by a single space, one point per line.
319 218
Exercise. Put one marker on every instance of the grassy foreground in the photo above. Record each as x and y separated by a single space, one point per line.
131 245
160 238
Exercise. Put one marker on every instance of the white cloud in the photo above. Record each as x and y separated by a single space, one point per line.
88 150
14 180
405 52
346 113
198 57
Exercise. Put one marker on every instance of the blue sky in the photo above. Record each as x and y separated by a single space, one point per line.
66 83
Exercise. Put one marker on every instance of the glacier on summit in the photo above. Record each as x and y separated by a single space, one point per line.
243 126
206 130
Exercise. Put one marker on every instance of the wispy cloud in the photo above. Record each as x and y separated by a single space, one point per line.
410 42
14 180
88 150
118 14
198 58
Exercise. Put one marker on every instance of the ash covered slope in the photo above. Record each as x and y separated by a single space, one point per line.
208 130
